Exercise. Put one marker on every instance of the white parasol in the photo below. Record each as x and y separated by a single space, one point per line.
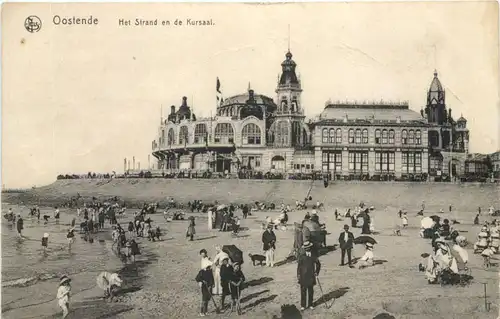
103 280
427 223
462 253
221 207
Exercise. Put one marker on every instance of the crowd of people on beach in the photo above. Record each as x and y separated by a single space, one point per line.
223 276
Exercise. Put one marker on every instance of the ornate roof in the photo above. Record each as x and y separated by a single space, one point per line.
288 75
461 119
258 99
436 91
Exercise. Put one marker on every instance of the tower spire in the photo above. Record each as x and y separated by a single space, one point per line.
249 86
288 37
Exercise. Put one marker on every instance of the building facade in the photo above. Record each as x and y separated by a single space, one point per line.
370 140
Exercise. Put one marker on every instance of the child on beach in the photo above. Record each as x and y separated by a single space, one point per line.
57 215
205 280
70 236
63 295
235 286
45 241
404 220
20 225
191 230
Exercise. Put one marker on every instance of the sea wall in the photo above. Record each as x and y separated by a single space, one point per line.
339 194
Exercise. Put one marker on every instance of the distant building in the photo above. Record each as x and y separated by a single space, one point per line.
349 140
448 139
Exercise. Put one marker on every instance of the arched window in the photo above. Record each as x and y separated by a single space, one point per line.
358 136
391 136
338 136
331 136
250 134
183 135
200 133
404 137
324 135
418 137
411 137
351 136
365 136
171 137
384 136
224 133
377 137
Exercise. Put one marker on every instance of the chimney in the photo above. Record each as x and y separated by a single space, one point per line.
172 109
184 101
139 166
124 164
133 162
128 165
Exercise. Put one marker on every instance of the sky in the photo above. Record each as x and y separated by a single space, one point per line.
83 98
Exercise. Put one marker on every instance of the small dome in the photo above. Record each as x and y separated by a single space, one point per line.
461 119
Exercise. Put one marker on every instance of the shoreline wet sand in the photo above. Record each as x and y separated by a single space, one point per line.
30 278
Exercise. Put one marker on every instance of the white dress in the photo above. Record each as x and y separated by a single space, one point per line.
217 290
210 221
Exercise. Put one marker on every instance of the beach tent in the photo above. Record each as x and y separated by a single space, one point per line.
298 238
312 232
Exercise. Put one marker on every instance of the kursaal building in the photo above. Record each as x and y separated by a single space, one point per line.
256 133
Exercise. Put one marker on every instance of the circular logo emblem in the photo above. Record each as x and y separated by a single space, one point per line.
33 24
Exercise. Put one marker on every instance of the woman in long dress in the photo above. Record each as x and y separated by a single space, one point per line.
220 255
210 219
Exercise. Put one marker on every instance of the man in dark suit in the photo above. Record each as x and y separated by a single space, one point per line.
269 245
308 267
346 241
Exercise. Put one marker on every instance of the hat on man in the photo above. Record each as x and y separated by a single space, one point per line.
64 279
314 212
372 208
46 235
440 240
270 225
369 245
346 226
307 245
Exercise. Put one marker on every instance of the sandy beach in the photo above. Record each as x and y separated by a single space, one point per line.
161 284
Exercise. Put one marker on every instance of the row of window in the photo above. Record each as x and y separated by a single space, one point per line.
411 162
358 136
223 134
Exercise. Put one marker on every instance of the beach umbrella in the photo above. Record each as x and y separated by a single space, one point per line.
435 218
364 239
427 223
234 253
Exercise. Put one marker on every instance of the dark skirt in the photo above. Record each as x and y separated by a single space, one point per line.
225 288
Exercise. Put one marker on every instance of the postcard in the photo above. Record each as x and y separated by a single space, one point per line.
291 160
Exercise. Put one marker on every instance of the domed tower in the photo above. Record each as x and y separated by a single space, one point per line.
287 129
436 106
289 88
